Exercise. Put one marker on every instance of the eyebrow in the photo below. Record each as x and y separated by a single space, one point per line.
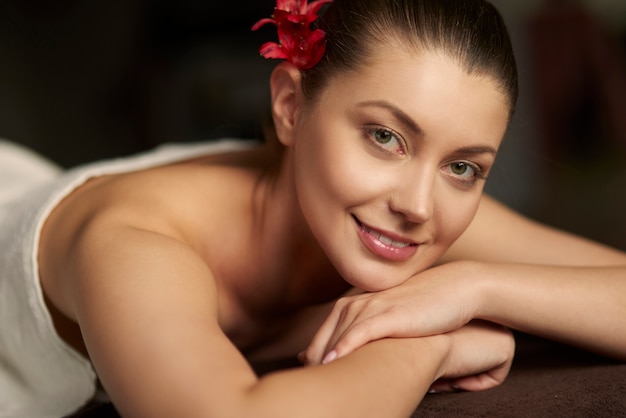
413 126
396 112
476 150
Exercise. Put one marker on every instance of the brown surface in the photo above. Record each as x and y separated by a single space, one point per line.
547 380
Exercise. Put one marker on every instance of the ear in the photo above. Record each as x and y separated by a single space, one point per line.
286 100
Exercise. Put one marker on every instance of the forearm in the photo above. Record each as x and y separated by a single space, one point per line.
583 306
386 378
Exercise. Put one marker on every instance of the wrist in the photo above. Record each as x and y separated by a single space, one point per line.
477 288
435 350
470 283
486 291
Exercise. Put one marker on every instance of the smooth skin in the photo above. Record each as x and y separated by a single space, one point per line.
172 279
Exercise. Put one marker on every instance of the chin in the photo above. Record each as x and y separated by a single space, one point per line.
375 279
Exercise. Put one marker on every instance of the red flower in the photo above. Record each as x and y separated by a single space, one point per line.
297 42
300 7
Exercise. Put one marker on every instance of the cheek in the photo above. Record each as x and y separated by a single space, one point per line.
342 180
318 177
329 165
454 214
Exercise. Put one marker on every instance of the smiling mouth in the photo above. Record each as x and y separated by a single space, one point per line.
383 238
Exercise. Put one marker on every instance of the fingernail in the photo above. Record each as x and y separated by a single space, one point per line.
329 357
302 356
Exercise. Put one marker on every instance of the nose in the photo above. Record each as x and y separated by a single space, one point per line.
413 197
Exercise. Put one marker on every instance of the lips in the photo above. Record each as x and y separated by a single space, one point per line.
385 239
384 245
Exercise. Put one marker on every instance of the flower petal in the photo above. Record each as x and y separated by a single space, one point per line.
272 50
263 22
301 19
292 6
311 49
317 47
316 36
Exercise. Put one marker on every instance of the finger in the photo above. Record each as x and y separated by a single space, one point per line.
346 313
475 383
318 346
484 381
363 331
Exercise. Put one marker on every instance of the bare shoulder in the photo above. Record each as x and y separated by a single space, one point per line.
177 202
500 234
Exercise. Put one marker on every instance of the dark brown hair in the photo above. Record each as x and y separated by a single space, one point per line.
470 32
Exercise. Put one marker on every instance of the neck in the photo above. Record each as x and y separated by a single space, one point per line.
292 259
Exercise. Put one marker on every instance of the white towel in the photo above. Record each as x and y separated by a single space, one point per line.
20 170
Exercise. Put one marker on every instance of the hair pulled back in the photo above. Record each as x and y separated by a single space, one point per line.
471 32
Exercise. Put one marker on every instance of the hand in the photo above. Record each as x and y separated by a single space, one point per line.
436 301
480 357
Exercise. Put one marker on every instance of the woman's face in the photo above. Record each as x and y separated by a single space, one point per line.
391 161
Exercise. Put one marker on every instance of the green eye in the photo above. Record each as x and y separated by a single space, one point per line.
464 173
459 168
384 139
382 136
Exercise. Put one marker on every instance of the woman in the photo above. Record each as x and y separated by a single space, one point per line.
166 274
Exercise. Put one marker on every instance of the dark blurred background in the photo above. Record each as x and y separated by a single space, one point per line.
82 80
